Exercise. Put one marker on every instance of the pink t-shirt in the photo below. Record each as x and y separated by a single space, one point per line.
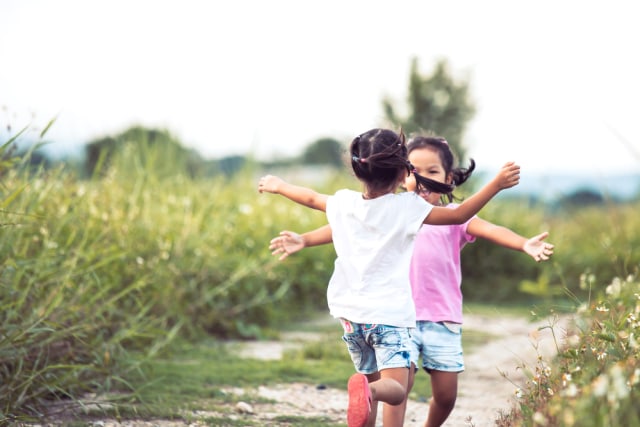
435 271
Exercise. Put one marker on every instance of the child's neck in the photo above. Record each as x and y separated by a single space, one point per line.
374 195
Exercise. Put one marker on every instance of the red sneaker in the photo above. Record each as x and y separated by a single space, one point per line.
359 401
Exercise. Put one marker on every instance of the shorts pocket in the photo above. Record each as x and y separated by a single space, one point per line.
454 328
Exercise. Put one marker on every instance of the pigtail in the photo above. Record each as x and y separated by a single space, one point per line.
426 184
460 175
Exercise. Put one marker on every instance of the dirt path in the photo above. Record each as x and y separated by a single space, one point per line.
485 389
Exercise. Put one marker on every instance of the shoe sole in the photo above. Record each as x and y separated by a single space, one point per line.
359 401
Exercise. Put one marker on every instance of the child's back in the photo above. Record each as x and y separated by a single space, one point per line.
373 239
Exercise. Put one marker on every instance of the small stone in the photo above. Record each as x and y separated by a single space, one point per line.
244 408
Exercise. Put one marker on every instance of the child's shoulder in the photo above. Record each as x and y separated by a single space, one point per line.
347 192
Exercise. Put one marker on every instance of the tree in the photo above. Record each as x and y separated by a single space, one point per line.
325 151
157 148
438 104
581 198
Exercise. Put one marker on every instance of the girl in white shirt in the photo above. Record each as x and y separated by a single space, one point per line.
373 233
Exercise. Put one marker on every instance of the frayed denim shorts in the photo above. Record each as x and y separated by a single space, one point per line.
376 347
439 344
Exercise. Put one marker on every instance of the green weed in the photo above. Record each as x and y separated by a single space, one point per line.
595 377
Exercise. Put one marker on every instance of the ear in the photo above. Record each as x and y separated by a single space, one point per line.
449 179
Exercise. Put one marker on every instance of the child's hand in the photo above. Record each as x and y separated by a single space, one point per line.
270 184
509 175
537 249
286 244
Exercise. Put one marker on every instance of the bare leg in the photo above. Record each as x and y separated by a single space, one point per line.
444 389
393 415
390 387
374 403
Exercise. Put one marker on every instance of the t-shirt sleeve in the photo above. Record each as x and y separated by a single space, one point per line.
417 210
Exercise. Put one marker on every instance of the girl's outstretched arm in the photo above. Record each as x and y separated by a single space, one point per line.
535 247
302 195
508 177
288 242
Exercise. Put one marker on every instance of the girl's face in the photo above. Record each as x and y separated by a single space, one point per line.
428 164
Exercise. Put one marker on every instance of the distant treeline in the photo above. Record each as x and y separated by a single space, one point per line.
98 154
329 153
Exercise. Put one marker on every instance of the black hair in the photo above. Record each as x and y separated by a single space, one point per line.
378 156
441 146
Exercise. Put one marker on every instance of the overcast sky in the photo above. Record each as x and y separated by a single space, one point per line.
556 83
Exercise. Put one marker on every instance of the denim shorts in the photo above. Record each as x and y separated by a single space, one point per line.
439 344
376 347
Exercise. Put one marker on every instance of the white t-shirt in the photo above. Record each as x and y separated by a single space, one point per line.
373 240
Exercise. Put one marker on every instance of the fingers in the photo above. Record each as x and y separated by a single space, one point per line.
278 245
540 237
279 250
514 174
262 183
511 167
538 249
542 257
278 242
510 175
546 250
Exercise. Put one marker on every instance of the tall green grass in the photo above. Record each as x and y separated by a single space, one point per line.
96 275
599 240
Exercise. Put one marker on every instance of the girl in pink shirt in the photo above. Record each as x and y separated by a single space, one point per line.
436 277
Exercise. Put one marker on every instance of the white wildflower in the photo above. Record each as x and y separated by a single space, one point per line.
539 419
614 288
573 340
571 391
635 378
586 280
600 385
619 381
